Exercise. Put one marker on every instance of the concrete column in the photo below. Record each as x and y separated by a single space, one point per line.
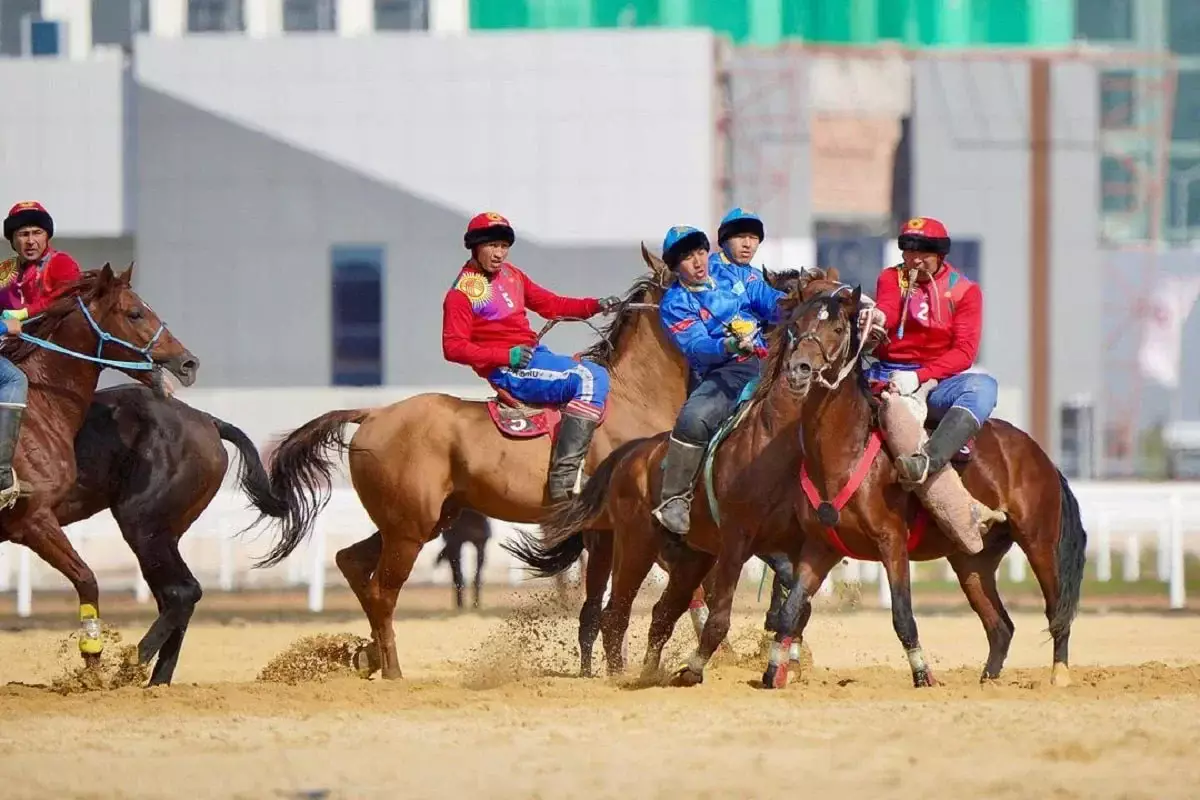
264 18
168 18
356 17
449 16
76 17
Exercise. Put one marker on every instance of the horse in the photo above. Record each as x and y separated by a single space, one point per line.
472 527
416 463
157 463
619 498
100 314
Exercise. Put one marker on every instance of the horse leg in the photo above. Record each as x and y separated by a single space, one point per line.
454 556
977 576
698 611
596 571
687 572
480 555
401 546
795 610
358 563
632 560
1042 562
894 553
716 629
38 530
175 590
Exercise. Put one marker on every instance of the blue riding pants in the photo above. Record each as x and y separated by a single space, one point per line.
713 400
974 391
551 379
14 386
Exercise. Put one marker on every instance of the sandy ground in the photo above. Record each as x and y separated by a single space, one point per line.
489 708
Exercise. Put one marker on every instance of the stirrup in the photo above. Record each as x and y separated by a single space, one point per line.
913 484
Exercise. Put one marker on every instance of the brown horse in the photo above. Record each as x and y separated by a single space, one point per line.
98 322
415 463
619 499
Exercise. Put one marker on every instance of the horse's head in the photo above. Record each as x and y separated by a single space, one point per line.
791 281
124 325
822 337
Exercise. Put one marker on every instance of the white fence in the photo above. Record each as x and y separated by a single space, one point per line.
1127 517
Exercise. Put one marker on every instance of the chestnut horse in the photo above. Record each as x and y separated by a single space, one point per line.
416 463
618 499
97 322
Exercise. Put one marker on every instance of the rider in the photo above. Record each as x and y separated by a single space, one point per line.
29 282
484 326
934 319
739 235
714 311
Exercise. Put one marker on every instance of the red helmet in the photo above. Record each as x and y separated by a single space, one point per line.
925 235
488 227
25 214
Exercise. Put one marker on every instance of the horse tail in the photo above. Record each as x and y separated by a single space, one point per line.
252 476
561 542
1072 555
301 471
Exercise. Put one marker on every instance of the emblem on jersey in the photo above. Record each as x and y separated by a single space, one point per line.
494 217
916 223
8 271
476 288
680 229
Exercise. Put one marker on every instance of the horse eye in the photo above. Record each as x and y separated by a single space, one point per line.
839 330
135 314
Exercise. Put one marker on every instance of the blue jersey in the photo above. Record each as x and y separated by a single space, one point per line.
698 318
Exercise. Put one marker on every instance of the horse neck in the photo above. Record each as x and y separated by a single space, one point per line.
836 423
66 385
648 373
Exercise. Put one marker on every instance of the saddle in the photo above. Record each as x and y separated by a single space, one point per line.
519 420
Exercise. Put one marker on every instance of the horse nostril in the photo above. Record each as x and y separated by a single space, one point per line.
190 364
804 369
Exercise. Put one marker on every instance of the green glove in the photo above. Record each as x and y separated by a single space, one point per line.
609 303
520 356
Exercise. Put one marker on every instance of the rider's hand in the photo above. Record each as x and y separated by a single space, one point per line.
904 381
12 326
733 344
608 303
871 320
520 356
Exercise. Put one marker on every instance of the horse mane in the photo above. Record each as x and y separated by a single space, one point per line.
604 349
87 288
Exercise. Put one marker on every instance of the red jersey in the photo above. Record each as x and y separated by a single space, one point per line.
483 316
39 283
943 326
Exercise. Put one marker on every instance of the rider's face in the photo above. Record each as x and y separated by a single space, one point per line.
693 268
30 242
490 256
927 263
741 248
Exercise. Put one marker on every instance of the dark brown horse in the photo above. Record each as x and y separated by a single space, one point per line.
100 321
619 499
416 463
157 463
473 528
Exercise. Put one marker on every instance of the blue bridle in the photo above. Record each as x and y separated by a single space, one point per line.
105 337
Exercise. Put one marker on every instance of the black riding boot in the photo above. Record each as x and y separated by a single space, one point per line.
679 466
955 430
10 430
566 459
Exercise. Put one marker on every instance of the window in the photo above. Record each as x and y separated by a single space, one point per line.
43 37
1118 100
1104 20
310 15
401 15
141 16
215 15
116 22
1183 197
357 315
1118 184
1186 124
1183 26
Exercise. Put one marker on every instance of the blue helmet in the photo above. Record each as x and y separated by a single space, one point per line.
739 220
681 240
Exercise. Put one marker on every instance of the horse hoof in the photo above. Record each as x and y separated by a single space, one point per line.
1060 676
91 660
985 679
775 676
687 677
366 660
923 679
392 674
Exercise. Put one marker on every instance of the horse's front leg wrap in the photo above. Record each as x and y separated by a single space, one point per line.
90 642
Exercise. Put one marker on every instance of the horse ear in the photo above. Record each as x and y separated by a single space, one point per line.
655 265
831 274
126 277
106 273
856 296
